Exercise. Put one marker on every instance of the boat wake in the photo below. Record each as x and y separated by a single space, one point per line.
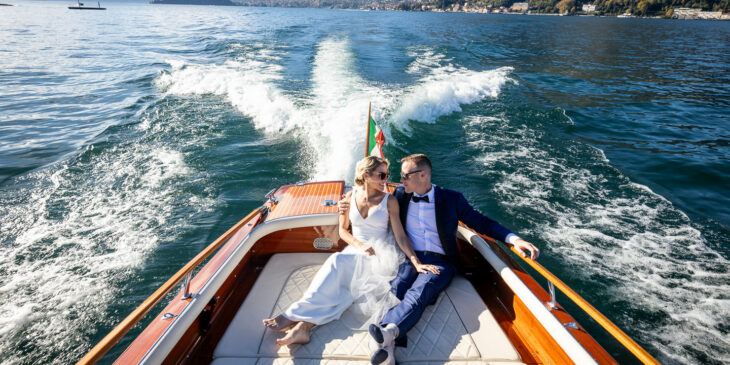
331 117
74 235
642 258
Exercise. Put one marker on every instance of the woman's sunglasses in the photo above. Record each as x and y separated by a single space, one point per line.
382 175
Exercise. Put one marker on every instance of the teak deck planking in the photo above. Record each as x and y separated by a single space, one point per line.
306 199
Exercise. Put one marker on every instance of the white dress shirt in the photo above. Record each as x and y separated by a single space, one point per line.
421 225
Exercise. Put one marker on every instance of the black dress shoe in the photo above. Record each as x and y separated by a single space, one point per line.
379 357
377 334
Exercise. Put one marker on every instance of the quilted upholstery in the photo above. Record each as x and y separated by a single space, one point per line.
290 361
457 329
285 361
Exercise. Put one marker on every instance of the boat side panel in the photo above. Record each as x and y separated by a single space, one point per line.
196 308
580 334
196 346
527 334
501 302
299 240
141 345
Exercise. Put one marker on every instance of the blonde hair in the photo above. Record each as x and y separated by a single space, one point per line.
366 166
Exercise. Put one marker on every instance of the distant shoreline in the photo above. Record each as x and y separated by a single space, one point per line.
1 4
394 7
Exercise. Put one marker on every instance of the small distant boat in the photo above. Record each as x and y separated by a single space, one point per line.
625 15
80 6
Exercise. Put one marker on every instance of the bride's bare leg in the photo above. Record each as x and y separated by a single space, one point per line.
298 334
279 323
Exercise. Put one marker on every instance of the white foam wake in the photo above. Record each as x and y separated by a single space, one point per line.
446 89
248 83
640 253
73 234
332 118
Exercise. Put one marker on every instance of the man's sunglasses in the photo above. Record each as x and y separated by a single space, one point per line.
407 175
382 175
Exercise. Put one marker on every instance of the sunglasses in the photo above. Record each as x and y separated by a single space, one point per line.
407 175
382 175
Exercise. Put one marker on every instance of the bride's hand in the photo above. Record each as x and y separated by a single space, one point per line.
368 250
423 269
343 204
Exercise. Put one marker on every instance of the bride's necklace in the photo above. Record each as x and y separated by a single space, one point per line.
369 197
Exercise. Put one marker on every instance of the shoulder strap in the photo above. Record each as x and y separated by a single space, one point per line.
353 205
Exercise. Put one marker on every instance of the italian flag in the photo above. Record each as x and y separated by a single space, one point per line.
376 140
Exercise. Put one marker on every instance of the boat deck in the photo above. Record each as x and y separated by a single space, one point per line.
457 329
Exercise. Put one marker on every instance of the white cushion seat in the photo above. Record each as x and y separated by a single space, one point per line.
457 329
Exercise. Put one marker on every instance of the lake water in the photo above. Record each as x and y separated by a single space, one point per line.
131 138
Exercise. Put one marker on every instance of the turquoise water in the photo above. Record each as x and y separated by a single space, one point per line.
131 138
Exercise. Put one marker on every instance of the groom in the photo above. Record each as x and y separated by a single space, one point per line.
431 215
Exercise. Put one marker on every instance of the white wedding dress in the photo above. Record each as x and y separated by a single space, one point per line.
352 279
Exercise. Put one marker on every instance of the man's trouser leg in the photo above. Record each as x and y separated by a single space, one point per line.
424 291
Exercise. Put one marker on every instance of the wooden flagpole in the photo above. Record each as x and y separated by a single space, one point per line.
367 136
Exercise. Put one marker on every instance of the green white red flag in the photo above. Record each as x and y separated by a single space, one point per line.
376 140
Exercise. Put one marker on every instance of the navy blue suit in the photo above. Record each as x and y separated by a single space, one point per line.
416 291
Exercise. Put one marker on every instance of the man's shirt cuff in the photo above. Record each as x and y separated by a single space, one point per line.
511 238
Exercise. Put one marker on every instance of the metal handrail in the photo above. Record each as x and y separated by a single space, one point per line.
611 328
123 327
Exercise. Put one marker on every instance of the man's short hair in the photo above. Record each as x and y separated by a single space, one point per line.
420 160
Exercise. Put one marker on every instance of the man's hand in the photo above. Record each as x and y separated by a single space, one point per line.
368 250
343 204
423 269
521 246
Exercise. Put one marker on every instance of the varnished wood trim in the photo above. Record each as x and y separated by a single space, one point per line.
530 338
142 344
197 346
298 240
604 322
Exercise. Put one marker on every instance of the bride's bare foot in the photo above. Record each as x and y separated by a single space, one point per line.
279 323
298 334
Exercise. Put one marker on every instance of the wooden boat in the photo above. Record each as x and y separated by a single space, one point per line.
493 312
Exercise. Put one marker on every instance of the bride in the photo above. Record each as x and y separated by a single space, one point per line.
359 276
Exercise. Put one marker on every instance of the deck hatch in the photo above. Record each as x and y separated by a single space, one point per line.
307 199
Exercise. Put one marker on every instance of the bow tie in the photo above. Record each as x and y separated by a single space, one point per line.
424 198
